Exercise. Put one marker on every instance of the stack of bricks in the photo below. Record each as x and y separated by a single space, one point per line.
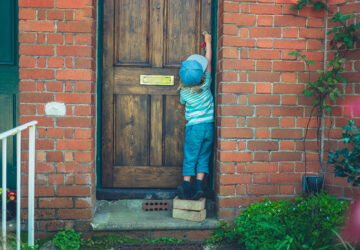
58 64
189 209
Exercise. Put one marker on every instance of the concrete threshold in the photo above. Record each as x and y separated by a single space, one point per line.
125 215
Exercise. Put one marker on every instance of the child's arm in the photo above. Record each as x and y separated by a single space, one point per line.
208 53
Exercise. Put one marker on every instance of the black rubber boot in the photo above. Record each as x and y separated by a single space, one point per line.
183 191
198 191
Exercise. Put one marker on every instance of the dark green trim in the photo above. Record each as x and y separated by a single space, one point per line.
214 23
9 92
99 91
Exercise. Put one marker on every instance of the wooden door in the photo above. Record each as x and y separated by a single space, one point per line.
9 72
143 125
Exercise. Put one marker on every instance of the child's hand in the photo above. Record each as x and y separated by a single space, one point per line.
207 38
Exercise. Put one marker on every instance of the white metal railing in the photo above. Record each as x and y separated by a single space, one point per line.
3 137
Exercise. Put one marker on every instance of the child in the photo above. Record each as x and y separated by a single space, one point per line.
195 75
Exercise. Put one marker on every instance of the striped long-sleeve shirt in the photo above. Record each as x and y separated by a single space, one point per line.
199 107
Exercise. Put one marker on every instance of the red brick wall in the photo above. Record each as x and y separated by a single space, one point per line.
57 64
261 114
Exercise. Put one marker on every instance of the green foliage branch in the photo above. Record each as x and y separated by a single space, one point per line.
325 89
286 224
347 160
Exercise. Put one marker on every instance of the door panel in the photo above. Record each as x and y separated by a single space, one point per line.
143 125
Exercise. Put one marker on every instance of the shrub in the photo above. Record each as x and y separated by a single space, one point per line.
67 239
302 223
347 160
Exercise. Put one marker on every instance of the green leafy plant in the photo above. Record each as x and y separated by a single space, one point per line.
67 239
347 160
286 224
345 35
318 5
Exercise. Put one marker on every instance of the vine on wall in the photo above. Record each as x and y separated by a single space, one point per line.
325 89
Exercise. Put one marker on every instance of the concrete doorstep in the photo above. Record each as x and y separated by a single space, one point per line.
125 215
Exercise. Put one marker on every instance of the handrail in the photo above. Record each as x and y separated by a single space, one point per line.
31 183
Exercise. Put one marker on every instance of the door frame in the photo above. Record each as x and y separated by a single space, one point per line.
128 193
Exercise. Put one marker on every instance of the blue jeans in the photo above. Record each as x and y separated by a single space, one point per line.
197 148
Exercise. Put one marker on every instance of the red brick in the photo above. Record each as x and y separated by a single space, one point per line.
43 191
36 97
74 75
262 122
226 213
73 191
287 145
264 77
84 63
289 44
56 203
37 3
286 156
261 156
55 14
36 74
238 65
264 54
261 167
288 66
55 38
286 189
286 133
262 133
265 32
242 20
236 110
54 156
287 122
27 14
264 43
291 33
261 179
65 4
236 156
289 21
75 27
56 179
27 38
83 156
237 88
27 62
227 190
288 111
73 145
83 51
42 214
238 42
227 145
264 99
55 62
74 98
288 88
235 179
82 203
82 179
262 189
263 111
230 29
234 202
285 178
231 7
27 109
227 168
263 66
36 26
263 145
74 214
265 9
236 133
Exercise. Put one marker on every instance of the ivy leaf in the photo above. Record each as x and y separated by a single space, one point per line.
319 5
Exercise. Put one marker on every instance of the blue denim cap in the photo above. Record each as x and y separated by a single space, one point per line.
192 69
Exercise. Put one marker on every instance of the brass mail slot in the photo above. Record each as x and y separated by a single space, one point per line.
156 80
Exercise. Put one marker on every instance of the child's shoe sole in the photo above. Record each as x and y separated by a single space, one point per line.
199 194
